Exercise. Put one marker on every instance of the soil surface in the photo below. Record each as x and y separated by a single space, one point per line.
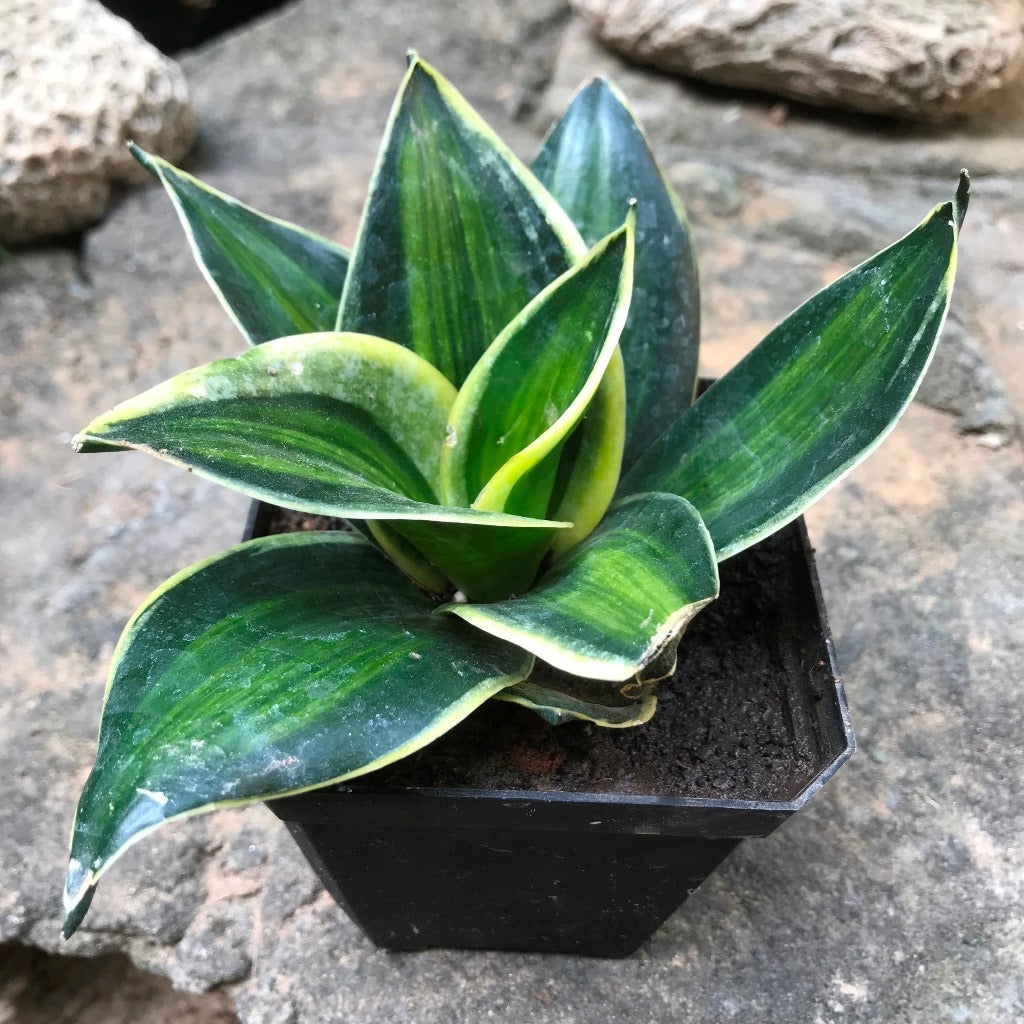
736 719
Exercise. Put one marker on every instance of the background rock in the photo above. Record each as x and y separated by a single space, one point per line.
40 989
76 84
929 60
960 380
893 897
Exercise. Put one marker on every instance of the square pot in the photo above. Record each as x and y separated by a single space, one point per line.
509 834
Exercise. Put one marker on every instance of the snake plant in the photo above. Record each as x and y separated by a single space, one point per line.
496 388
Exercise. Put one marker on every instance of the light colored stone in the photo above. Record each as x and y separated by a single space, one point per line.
929 60
76 84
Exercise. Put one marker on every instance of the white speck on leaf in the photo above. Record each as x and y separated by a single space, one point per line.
155 795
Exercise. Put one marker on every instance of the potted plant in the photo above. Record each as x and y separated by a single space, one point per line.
495 392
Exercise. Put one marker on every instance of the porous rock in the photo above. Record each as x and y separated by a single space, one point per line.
76 84
929 61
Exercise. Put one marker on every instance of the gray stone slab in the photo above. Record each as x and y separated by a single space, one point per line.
894 897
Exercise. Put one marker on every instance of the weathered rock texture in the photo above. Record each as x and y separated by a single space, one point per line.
930 60
40 989
76 84
894 897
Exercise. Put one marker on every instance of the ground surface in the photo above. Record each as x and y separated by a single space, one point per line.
894 897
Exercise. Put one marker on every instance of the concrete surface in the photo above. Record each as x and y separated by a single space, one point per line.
895 897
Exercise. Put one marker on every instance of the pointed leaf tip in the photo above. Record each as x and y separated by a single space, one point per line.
144 158
962 198
273 278
79 890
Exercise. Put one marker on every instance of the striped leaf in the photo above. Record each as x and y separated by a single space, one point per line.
618 599
273 278
457 235
284 664
559 698
337 424
534 383
593 161
816 397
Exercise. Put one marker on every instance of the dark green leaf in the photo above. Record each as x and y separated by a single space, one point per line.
273 278
816 397
593 161
284 664
615 601
457 235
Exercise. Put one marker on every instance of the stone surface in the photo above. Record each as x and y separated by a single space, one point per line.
77 84
932 61
40 989
893 897
961 381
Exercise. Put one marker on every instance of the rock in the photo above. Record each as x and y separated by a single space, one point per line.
710 191
928 61
961 381
77 84
42 989
215 951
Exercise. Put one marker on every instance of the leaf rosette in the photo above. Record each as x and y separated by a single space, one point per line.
495 388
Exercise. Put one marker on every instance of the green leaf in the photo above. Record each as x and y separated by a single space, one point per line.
588 471
405 555
457 235
618 599
284 664
593 161
273 278
534 383
338 424
816 396
559 698
486 562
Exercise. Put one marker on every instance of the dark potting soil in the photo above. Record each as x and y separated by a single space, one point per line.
736 720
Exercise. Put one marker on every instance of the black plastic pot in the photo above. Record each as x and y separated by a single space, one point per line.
422 855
